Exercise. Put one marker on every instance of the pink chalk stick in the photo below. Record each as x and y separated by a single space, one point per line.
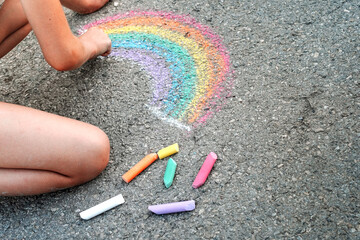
205 170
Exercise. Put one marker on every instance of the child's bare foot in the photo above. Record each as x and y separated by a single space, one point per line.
84 6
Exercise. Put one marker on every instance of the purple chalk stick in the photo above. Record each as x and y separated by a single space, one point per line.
205 170
173 207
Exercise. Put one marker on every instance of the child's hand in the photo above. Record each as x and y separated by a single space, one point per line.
96 42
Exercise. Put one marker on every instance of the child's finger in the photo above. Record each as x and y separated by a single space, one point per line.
107 52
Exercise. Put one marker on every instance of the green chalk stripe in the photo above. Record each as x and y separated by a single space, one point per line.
169 173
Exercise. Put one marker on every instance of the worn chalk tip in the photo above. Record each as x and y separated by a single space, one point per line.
197 184
125 179
168 183
190 205
212 155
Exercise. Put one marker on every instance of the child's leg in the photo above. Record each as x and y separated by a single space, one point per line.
42 152
14 25
84 6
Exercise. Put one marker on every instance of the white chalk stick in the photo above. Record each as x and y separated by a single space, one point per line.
102 207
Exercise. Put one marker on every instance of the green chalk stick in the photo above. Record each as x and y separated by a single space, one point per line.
169 173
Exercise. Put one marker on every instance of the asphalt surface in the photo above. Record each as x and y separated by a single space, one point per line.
287 137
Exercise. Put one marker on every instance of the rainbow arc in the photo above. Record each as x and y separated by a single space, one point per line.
187 62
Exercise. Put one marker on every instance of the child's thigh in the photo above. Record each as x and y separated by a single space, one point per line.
33 139
12 18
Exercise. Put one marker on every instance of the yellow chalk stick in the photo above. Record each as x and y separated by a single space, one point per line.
170 150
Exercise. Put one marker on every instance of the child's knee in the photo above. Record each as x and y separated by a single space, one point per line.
95 156
101 150
89 6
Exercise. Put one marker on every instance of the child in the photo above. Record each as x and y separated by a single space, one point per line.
42 152
61 49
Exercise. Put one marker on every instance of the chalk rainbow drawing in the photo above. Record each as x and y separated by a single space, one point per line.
188 65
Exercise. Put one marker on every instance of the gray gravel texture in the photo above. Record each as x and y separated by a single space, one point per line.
287 138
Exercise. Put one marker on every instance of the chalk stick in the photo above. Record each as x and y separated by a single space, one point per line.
205 170
169 172
102 207
168 151
174 207
139 167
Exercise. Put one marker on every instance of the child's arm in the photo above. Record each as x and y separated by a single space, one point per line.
61 49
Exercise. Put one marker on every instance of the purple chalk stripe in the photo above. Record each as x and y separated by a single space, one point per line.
152 64
173 207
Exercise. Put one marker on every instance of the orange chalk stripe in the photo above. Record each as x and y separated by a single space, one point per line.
139 167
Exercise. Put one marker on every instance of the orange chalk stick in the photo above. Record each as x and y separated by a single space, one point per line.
139 167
